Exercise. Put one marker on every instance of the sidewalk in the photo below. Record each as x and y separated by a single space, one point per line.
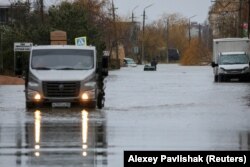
8 80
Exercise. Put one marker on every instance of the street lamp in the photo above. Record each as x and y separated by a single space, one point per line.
189 27
143 30
133 13
116 40
134 35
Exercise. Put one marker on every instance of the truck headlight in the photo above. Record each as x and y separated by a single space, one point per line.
87 95
37 97
245 69
33 95
222 70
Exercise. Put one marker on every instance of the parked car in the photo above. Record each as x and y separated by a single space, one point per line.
128 62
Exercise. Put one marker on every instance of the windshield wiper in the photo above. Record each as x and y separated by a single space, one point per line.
42 68
240 63
227 63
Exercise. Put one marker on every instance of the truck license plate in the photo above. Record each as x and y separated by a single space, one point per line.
61 104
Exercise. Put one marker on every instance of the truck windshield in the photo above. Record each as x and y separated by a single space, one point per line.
62 59
233 59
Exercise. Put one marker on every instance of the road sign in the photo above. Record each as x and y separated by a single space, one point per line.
22 46
81 41
106 53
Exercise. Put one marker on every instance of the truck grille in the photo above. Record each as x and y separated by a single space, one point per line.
61 89
234 71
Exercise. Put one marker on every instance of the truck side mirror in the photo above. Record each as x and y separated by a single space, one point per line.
213 64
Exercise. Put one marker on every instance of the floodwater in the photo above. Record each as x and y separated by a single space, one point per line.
173 108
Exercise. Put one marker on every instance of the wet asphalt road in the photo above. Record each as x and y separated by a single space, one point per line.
174 108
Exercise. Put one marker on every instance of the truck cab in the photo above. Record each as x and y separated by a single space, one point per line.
231 59
63 75
232 65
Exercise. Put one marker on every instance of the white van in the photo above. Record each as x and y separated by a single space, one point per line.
62 75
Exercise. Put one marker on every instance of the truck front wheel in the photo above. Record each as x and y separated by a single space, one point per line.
30 105
100 101
89 104
221 78
216 78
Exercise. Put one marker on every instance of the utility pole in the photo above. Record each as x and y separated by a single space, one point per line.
189 28
248 18
132 17
42 10
40 4
239 29
115 42
167 39
142 46
1 51
133 14
189 32
143 32
134 35
199 33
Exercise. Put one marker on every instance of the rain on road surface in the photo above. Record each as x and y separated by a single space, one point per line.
174 108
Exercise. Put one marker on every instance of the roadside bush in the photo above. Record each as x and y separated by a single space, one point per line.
195 53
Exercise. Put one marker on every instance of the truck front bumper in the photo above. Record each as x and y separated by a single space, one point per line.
227 76
38 97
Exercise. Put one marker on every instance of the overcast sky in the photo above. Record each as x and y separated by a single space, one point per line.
186 8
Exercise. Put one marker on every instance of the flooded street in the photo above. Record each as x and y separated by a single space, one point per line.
173 108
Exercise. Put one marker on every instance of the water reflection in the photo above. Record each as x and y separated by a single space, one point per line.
84 132
244 141
37 132
70 138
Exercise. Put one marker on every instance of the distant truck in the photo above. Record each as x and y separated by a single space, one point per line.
173 55
231 59
63 75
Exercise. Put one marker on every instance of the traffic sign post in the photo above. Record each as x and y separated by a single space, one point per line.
81 41
106 53
21 47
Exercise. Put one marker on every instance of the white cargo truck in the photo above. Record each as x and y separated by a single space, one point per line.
63 75
231 59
